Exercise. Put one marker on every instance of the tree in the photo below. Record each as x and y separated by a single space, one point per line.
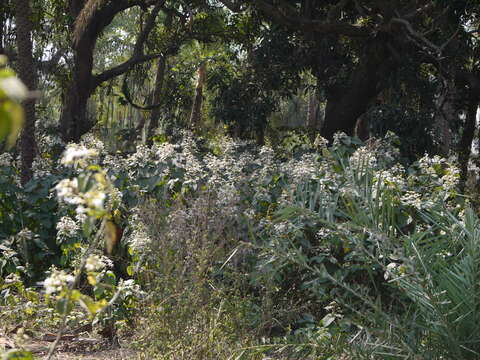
352 47
90 19
27 73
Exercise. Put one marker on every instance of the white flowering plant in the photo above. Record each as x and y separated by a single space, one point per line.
297 227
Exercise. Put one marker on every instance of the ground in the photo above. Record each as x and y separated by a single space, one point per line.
71 347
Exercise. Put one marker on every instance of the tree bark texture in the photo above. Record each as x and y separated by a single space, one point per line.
196 115
157 97
26 72
313 112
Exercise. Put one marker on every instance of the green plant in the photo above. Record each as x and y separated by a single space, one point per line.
12 91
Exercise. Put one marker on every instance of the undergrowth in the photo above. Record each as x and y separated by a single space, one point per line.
230 251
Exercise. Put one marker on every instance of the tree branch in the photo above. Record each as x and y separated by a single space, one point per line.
149 25
416 35
304 24
138 56
122 68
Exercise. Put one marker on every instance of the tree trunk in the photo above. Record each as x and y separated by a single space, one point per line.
447 115
73 121
312 112
26 71
465 145
196 114
157 96
2 25
347 103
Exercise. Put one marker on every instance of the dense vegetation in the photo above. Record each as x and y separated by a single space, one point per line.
227 179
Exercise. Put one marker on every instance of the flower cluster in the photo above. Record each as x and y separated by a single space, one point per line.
78 155
87 201
139 239
6 159
97 263
67 227
57 281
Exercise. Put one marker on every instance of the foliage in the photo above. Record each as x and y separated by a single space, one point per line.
12 91
248 252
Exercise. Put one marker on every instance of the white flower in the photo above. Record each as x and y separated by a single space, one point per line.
320 142
390 270
91 142
67 227
129 288
363 159
77 154
13 88
139 239
57 281
67 190
6 159
94 263
95 199
25 234
12 278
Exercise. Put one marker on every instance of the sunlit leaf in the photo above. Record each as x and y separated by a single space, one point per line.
91 305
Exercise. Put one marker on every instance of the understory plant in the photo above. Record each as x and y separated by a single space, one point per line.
304 252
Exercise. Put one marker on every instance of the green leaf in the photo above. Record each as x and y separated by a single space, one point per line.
17 355
130 270
11 121
5 123
91 305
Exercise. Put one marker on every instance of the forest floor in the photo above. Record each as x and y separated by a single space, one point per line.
70 347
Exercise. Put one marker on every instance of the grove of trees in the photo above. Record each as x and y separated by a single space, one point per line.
357 60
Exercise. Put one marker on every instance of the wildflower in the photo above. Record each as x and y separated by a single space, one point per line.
363 159
77 154
57 281
340 138
129 288
67 227
94 263
12 278
320 142
67 190
139 239
25 234
91 142
6 159
390 270
41 167
94 199
411 198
